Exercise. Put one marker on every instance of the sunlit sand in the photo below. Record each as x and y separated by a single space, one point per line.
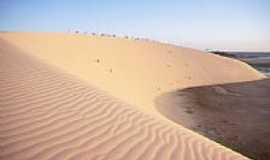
70 96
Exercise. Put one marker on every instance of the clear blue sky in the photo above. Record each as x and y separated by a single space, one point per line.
220 24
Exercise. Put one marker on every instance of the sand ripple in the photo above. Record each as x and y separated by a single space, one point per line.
46 114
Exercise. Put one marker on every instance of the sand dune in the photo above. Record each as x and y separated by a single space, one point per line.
48 114
135 71
53 107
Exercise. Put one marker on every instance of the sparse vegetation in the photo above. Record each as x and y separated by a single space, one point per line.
114 36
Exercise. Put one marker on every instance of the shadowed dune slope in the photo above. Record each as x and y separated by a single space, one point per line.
236 115
48 114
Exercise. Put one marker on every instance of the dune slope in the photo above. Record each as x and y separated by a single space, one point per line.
49 114
137 72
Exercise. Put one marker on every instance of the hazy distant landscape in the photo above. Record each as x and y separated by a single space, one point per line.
259 60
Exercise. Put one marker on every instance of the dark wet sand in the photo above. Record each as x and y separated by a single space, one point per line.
236 115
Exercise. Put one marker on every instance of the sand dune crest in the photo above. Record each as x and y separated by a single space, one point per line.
47 114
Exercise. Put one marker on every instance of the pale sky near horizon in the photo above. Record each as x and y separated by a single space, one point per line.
214 24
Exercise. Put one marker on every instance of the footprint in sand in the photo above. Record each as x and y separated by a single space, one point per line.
97 60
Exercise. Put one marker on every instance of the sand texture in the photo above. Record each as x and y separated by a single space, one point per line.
57 97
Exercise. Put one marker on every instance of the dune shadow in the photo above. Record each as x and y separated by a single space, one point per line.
236 115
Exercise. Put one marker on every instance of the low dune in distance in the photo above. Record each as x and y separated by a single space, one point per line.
57 97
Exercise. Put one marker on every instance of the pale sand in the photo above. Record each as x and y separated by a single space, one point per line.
53 112
135 71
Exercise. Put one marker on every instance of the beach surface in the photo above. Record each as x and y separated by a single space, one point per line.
66 96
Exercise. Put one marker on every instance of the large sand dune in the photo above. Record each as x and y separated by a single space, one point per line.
134 71
52 107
